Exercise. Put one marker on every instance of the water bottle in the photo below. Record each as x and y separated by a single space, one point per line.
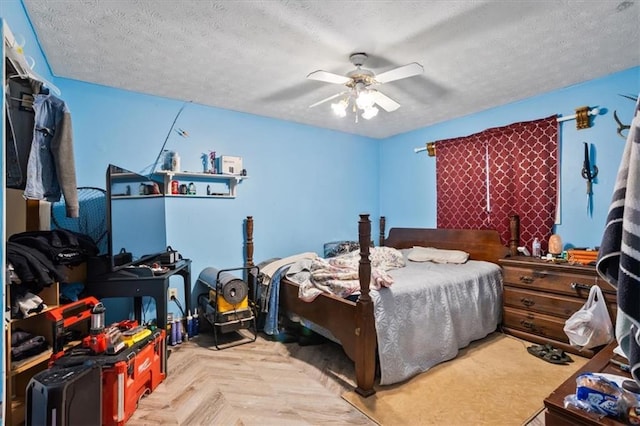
536 247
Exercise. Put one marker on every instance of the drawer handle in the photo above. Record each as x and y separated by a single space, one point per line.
528 324
580 286
527 302
527 280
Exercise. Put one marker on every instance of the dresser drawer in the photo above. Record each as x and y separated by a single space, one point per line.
546 303
566 283
535 323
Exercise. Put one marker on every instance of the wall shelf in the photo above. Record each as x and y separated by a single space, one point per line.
230 181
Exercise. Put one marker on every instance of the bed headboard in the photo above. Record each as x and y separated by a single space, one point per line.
480 244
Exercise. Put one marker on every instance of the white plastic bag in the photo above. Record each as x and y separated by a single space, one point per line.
590 326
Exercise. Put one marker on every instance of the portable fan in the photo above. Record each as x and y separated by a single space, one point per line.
92 219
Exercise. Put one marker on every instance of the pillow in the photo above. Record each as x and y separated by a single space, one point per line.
431 254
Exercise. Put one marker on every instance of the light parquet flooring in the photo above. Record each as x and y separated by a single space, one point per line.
258 383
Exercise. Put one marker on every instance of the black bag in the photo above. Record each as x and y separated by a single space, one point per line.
169 257
24 345
122 258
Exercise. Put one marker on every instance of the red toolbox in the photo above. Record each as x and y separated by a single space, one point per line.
126 377
136 373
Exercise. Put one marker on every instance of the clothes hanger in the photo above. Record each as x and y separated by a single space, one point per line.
22 65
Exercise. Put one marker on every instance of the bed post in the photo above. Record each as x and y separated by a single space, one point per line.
514 237
249 241
365 353
383 222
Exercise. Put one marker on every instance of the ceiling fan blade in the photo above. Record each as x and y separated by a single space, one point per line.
385 102
327 99
328 77
404 71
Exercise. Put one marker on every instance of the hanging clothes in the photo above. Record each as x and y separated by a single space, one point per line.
41 144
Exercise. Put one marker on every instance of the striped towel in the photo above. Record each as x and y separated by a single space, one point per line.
619 257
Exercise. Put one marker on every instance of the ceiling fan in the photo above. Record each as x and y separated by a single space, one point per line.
361 93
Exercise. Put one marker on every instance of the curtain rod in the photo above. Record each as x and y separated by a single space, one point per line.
582 115
429 146
590 111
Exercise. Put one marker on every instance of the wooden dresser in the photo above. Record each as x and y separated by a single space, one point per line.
539 296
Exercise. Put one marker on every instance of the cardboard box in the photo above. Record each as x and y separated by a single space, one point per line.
230 165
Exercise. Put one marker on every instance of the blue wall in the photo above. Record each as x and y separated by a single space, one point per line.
407 180
305 186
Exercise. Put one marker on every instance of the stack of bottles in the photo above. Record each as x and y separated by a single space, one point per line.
179 332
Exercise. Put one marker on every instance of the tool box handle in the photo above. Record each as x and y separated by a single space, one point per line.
73 312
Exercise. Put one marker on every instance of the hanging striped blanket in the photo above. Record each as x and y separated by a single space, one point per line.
619 256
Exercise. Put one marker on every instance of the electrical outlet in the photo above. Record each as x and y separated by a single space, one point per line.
173 292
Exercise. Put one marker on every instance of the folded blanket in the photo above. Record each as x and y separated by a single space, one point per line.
272 267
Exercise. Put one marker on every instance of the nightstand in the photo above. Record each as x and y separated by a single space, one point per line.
539 296
557 415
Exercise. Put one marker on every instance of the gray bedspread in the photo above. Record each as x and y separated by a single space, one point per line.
431 311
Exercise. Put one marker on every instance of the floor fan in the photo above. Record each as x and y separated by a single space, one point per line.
92 220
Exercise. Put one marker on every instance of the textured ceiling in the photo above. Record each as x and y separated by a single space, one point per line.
254 56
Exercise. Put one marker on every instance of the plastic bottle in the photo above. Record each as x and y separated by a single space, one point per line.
536 247
189 324
196 323
175 327
167 159
175 162
180 331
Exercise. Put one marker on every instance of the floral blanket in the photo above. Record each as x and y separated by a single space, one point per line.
339 275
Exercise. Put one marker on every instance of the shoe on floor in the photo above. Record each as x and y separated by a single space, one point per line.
549 354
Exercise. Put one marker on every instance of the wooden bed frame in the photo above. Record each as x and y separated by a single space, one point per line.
353 323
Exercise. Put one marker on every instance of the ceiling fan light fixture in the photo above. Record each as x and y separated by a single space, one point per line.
365 99
340 108
360 94
370 112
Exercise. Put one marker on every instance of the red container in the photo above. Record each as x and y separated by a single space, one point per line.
138 374
175 187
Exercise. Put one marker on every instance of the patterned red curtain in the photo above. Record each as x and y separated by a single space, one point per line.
484 178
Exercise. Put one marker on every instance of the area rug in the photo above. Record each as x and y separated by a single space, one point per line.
494 381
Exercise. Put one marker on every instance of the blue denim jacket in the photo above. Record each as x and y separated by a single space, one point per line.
50 168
